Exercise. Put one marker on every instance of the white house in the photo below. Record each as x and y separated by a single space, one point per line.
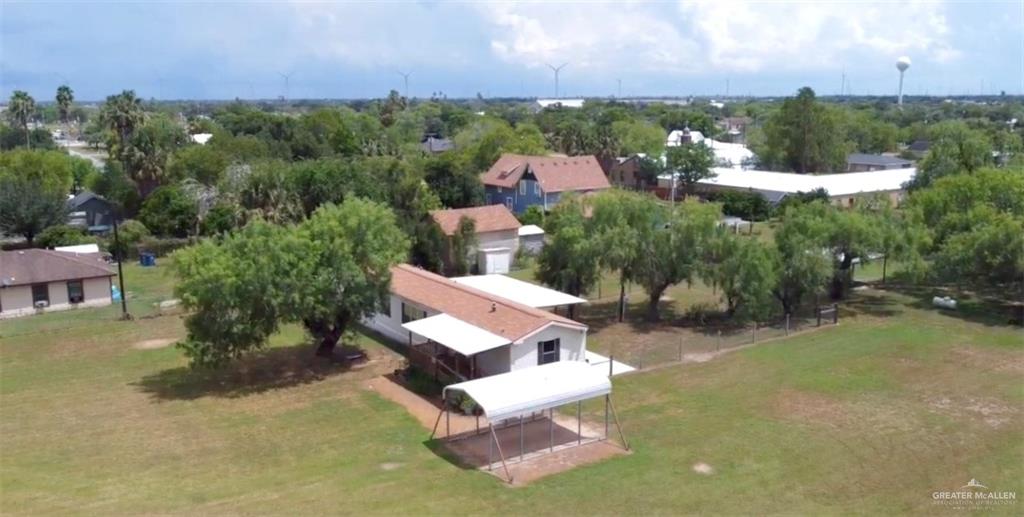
843 188
34 281
497 237
470 333
726 154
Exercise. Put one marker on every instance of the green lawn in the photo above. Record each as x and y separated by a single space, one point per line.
869 417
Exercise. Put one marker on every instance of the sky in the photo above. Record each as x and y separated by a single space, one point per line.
224 50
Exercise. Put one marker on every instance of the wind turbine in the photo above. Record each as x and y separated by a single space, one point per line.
902 64
405 77
557 69
287 78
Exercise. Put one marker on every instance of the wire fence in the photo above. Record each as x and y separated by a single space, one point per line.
653 346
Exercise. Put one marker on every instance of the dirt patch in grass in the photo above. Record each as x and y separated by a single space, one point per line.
993 412
153 344
988 359
703 468
880 414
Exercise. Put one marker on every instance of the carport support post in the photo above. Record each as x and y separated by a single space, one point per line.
490 453
606 399
551 427
501 455
522 448
579 422
447 419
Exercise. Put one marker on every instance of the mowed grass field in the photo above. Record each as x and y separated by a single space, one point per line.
869 417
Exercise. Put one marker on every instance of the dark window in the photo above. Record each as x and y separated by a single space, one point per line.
75 292
548 351
410 313
40 293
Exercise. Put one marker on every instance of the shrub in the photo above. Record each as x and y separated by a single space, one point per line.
533 215
63 235
747 205
161 246
169 212
130 233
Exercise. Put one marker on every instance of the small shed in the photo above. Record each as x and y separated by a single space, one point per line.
531 239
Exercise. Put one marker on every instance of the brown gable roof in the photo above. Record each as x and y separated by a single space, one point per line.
555 173
34 266
509 319
491 218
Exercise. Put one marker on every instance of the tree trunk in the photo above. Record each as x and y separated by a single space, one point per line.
652 303
885 264
327 333
842 277
622 296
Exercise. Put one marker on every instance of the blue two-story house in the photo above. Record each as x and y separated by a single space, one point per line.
519 181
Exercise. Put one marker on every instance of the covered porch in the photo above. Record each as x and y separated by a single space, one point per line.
456 349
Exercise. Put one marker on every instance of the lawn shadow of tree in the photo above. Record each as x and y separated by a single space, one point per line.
271 369
991 307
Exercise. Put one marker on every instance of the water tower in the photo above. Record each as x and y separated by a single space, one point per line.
902 64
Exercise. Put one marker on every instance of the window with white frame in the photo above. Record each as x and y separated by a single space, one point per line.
548 351
522 187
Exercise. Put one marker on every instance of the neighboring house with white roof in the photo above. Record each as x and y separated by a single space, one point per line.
844 188
565 103
201 138
726 154
468 332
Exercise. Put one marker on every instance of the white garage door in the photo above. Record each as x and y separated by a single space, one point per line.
495 261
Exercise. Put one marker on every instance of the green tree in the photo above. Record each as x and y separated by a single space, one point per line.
121 114
20 110
147 151
463 242
53 170
805 136
129 234
456 184
27 207
955 149
534 215
568 262
168 212
802 257
676 251
746 272
690 163
203 163
65 96
620 223
325 274
639 137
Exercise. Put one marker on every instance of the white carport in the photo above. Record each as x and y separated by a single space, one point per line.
528 294
457 335
527 392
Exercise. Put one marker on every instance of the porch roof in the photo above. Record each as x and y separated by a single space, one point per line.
456 334
528 390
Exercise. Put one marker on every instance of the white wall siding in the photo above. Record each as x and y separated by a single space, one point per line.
493 362
573 344
391 326
503 239
17 301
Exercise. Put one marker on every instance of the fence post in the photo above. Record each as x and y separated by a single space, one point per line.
611 362
719 347
817 313
787 323
680 348
835 313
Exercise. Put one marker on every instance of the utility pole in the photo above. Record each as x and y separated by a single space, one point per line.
620 88
557 70
120 271
405 77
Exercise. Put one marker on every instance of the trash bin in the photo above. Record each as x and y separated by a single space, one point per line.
147 259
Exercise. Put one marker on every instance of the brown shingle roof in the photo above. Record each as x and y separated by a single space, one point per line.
555 173
36 266
508 319
491 218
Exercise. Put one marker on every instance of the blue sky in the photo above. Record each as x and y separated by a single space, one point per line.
353 50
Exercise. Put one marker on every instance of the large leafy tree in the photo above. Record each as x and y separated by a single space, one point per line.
639 137
28 206
955 148
20 110
805 136
569 260
146 153
324 274
690 163
456 184
676 251
620 222
169 212
121 114
746 271
803 261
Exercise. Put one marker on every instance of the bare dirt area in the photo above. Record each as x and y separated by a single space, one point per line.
153 344
993 412
817 409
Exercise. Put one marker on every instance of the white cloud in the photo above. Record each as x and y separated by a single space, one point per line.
715 35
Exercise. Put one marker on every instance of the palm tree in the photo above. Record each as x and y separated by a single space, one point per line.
65 96
122 114
20 109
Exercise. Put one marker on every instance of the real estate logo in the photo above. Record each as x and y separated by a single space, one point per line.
973 495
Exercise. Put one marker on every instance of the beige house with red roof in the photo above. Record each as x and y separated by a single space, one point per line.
33 281
520 181
471 332
497 236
